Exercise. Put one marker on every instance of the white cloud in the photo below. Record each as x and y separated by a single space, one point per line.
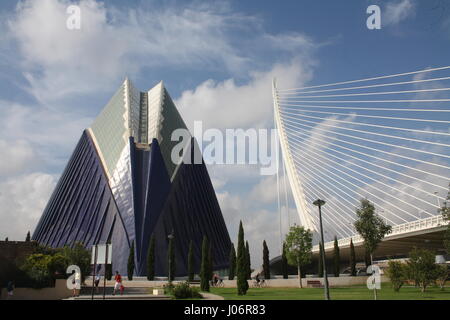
226 104
398 11
35 135
113 43
15 155
23 199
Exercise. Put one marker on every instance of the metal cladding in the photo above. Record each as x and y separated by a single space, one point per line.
121 186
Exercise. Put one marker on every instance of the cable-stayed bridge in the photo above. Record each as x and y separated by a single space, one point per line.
384 138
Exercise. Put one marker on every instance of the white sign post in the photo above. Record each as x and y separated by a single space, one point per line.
101 254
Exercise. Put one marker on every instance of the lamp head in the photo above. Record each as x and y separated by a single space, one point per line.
319 202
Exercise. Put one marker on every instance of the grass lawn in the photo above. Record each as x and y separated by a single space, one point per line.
344 293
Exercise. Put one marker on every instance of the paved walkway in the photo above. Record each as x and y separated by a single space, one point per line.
210 296
123 297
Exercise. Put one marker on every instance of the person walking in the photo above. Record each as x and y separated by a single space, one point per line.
76 282
96 282
118 284
10 290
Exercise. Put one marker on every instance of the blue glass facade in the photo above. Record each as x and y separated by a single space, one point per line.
137 198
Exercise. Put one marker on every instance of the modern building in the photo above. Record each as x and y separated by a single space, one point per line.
121 187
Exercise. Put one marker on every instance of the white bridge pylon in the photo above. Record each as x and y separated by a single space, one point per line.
383 138
294 181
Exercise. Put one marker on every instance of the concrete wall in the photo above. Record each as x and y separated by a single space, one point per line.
59 292
292 282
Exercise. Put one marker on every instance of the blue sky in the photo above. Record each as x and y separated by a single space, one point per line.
217 59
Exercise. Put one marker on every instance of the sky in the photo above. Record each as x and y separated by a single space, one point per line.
217 60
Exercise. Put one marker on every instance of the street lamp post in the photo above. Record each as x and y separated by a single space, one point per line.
170 237
320 203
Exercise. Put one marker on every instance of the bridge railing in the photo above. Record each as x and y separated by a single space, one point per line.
417 225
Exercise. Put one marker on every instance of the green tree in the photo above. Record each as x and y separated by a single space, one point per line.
320 262
445 211
191 262
367 258
370 226
58 265
78 255
266 261
421 267
336 258
299 248
151 259
171 263
28 237
38 268
204 268
130 265
241 266
352 259
396 274
248 261
284 263
232 271
441 275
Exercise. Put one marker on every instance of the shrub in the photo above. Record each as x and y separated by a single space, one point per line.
184 291
421 267
396 273
38 269
58 265
168 288
441 275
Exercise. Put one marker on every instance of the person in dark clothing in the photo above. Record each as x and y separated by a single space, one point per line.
10 289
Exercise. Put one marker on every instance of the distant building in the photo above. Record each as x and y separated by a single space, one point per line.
121 186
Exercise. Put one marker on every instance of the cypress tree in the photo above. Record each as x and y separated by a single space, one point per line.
232 272
109 271
284 263
248 262
320 267
266 265
210 262
204 268
130 265
151 259
28 238
352 259
337 258
191 262
242 284
171 259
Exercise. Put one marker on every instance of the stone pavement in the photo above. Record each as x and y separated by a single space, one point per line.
210 296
